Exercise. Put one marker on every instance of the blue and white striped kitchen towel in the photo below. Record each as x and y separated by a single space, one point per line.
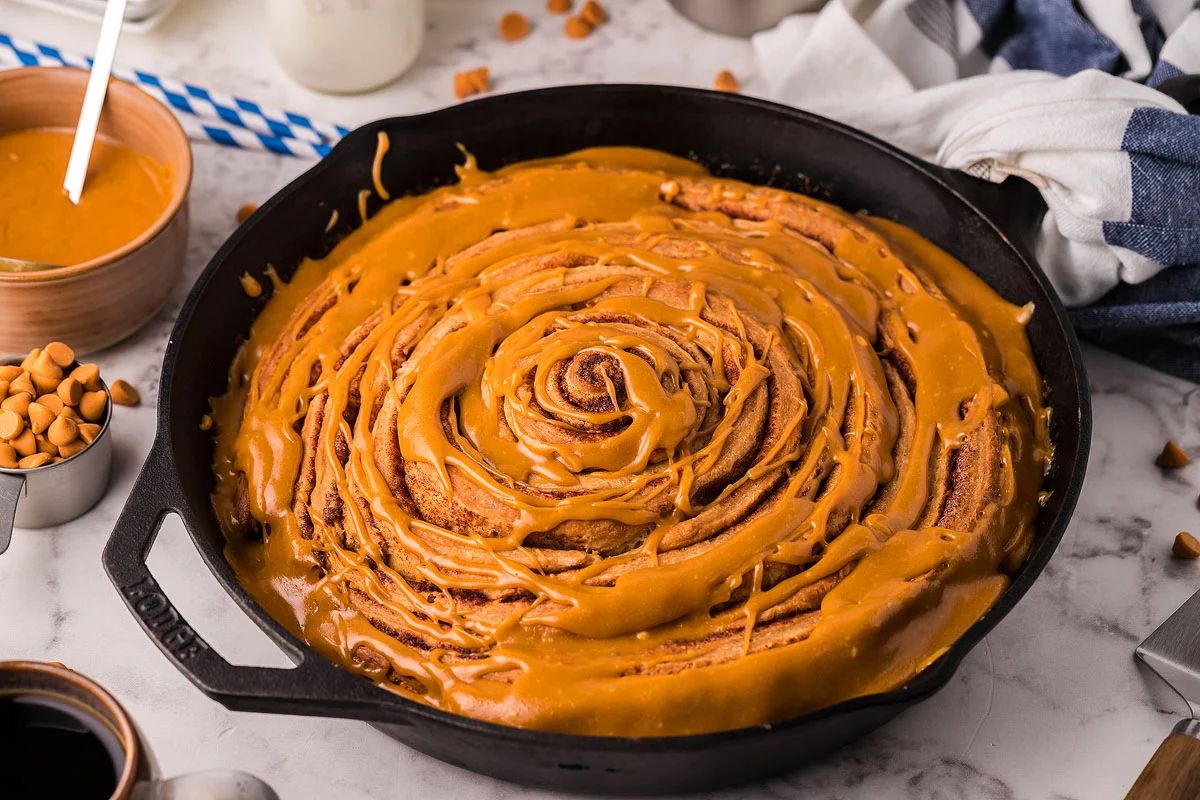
1057 92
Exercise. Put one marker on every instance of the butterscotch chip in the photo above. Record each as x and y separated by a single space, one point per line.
513 27
17 403
43 383
469 82
9 372
71 414
1186 546
21 383
51 402
40 417
558 6
1172 456
44 445
577 27
245 212
8 456
594 13
44 366
63 430
70 391
88 375
88 431
60 354
250 285
3 388
206 422
92 405
726 81
68 450
25 444
34 461
11 424
27 362
123 393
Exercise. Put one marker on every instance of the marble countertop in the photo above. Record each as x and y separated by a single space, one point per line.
1051 705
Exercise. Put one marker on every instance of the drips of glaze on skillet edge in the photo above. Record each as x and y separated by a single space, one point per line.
601 444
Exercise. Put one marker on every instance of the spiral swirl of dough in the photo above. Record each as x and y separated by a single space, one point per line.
604 444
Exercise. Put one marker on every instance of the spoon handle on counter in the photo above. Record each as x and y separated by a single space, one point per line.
93 99
1173 772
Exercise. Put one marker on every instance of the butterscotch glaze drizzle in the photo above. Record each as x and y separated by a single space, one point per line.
602 444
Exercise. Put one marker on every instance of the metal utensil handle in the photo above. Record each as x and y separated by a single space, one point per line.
314 686
10 494
1173 772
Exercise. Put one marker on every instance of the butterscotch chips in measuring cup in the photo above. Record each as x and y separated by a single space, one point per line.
50 409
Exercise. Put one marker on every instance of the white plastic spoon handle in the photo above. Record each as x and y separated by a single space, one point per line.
93 99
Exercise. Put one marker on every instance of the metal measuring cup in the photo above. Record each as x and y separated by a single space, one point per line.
56 493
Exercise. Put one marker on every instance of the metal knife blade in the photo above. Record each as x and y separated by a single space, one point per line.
1173 651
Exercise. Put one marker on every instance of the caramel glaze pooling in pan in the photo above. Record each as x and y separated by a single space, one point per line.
602 444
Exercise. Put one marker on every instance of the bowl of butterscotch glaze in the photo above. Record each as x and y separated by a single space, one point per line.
95 272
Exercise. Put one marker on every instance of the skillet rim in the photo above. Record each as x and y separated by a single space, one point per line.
921 686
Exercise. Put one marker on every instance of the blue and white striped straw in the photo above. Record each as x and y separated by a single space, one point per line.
206 115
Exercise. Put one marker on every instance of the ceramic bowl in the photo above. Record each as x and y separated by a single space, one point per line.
99 302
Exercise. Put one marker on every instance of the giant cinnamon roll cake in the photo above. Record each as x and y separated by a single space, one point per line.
603 444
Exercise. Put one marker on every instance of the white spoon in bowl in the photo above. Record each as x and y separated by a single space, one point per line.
93 99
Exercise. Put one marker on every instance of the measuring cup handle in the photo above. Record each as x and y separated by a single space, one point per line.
11 485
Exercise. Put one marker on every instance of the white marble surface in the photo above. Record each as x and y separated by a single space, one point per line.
1050 706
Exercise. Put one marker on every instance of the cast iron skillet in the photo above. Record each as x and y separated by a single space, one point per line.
985 225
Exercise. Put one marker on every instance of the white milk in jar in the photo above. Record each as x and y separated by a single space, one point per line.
345 45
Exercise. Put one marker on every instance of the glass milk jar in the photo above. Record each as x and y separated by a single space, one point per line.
346 45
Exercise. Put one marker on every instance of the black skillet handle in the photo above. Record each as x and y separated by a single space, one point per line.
315 686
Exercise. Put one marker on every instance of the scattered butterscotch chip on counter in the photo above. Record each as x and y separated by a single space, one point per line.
245 212
123 393
594 13
514 26
726 81
577 27
1172 456
471 81
1186 546
558 6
